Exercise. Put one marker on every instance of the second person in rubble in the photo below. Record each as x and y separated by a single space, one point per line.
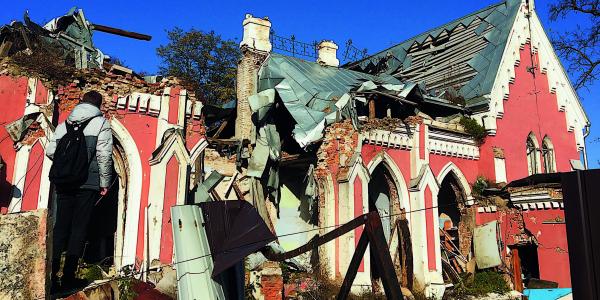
81 150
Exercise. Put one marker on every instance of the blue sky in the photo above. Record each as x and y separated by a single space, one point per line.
375 25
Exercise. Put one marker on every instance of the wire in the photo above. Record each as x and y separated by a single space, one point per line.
142 272
27 171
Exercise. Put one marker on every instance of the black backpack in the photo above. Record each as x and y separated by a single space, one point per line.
71 162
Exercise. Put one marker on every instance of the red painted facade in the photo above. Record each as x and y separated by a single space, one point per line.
135 128
549 229
358 210
529 108
171 189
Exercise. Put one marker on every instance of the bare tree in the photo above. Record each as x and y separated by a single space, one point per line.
579 47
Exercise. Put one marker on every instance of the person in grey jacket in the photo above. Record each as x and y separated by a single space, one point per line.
74 205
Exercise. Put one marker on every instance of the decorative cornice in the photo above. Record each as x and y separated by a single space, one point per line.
398 139
454 144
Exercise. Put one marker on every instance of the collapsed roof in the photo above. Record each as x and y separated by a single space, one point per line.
462 55
317 95
67 37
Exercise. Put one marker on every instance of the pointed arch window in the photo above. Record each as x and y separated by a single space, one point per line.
548 155
533 160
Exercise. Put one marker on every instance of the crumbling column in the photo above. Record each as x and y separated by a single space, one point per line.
255 47
327 54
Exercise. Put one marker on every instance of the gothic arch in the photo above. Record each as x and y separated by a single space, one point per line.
134 194
399 243
532 152
387 161
172 147
452 169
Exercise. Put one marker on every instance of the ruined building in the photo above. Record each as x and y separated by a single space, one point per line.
416 132
157 132
420 132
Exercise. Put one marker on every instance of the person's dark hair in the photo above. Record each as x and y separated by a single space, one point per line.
93 98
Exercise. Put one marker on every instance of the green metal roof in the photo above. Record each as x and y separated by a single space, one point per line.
490 27
311 91
317 95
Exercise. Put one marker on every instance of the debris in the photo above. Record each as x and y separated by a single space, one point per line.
205 189
192 255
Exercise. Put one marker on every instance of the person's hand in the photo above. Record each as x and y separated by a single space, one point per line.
103 191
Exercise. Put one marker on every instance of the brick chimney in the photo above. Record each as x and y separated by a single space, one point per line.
255 47
327 54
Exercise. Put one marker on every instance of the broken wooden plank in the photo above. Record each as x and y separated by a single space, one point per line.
5 48
230 184
220 129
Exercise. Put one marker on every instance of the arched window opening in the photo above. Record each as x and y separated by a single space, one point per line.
383 193
548 155
454 223
533 161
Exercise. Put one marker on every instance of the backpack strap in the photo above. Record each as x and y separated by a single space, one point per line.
70 126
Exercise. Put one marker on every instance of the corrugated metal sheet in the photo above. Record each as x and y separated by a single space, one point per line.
465 53
315 94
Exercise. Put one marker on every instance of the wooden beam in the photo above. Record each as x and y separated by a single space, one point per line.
372 113
5 48
220 129
516 270
121 32
359 253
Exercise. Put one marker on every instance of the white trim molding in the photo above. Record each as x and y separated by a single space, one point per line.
449 143
174 146
397 139
451 168
134 191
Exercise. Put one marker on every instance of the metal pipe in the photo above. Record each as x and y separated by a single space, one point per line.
121 32
585 135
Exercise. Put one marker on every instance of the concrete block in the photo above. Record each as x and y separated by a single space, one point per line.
24 255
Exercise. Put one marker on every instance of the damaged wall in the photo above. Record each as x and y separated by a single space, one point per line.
543 228
152 124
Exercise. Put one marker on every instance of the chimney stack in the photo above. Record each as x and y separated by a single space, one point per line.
256 33
327 54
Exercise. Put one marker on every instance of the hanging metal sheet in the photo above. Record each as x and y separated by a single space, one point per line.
234 229
485 239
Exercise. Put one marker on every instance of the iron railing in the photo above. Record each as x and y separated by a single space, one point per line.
290 45
352 53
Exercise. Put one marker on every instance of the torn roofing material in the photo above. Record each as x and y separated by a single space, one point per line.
316 95
69 37
234 230
464 53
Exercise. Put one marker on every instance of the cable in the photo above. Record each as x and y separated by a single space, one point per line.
27 171
141 272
